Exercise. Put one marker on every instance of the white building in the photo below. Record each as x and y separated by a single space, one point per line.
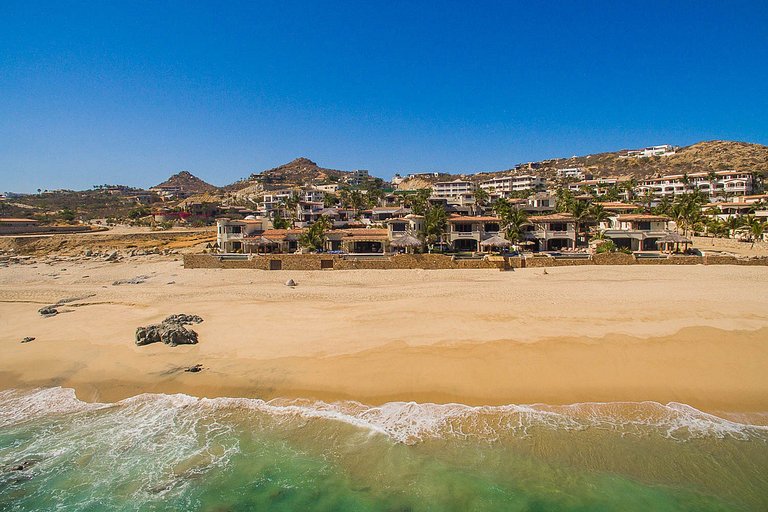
718 184
663 150
231 234
599 186
330 188
452 189
573 172
504 186
358 177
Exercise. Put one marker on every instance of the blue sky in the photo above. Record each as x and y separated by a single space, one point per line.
131 92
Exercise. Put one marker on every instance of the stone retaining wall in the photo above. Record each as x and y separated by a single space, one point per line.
439 261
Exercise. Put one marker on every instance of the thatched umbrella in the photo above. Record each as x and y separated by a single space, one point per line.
495 241
671 241
407 242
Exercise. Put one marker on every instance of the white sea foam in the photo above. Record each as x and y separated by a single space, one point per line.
405 422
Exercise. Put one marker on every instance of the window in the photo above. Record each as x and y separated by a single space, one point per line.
492 226
644 226
558 226
398 227
237 229
462 228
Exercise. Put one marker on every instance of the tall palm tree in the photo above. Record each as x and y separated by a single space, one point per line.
756 229
580 212
435 223
514 223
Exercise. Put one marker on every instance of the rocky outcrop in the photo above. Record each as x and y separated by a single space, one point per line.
48 311
171 331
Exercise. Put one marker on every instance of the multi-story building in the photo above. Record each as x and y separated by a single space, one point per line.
358 177
598 186
540 202
452 189
231 234
506 185
465 233
717 184
637 232
552 232
574 172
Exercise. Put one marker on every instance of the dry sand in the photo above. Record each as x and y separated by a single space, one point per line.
690 334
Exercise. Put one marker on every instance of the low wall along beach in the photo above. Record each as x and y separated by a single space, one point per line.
439 261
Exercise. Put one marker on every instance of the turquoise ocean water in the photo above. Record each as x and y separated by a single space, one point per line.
175 452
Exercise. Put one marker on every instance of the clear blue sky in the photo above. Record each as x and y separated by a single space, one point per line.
131 92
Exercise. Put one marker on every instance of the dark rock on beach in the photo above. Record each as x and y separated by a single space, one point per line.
48 311
194 369
28 339
170 331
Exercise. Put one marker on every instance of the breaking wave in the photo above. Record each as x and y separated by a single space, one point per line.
403 422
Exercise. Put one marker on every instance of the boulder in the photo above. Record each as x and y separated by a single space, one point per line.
28 339
291 283
170 331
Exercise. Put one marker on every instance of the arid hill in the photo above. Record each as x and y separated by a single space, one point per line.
296 172
707 156
188 183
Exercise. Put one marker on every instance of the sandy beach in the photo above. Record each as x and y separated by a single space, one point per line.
696 335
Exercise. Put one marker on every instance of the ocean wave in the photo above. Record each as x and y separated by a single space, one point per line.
403 422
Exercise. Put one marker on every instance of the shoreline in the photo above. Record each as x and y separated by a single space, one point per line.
694 335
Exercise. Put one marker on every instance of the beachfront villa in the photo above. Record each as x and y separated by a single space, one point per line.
636 232
231 234
466 233
552 232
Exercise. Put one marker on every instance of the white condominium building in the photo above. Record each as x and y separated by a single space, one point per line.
720 183
452 189
502 187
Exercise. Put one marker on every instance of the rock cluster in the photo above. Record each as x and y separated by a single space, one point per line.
170 331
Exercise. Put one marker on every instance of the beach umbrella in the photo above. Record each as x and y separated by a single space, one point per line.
406 242
496 241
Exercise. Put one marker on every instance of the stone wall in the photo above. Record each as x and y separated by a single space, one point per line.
338 262
439 261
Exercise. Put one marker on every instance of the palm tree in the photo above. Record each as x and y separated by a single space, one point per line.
756 229
291 204
329 200
514 221
580 212
481 197
435 223
597 214
314 237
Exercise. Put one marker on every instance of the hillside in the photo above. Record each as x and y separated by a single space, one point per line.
296 172
706 156
188 183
